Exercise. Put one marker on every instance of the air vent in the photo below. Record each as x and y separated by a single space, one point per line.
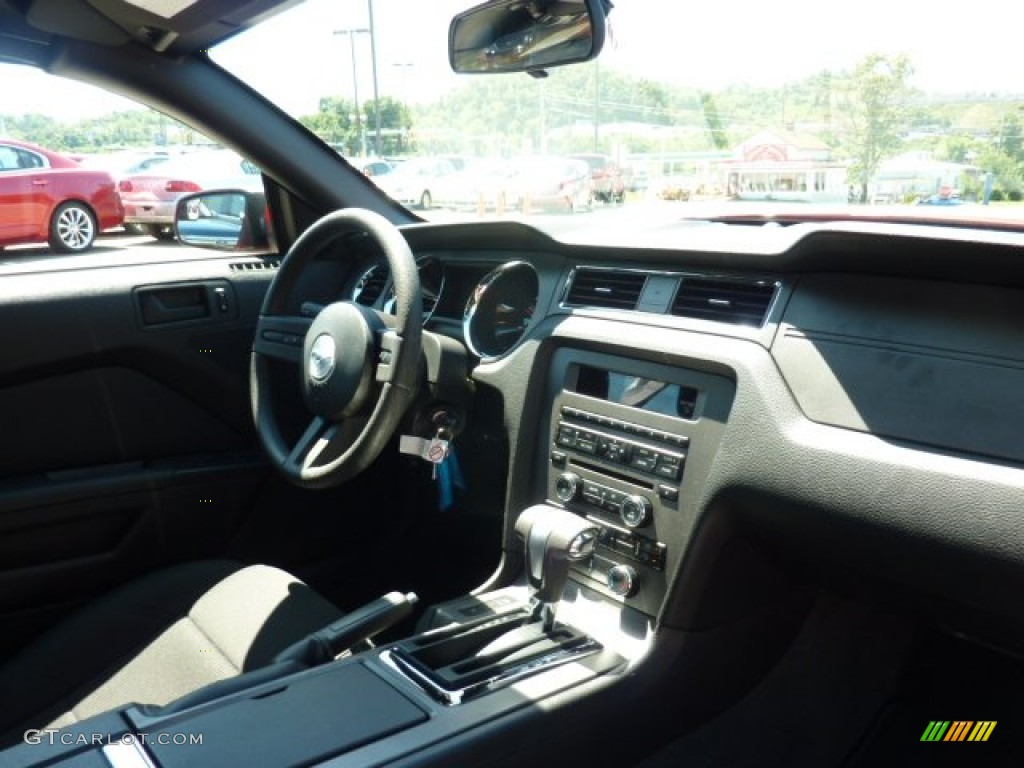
740 302
254 266
605 288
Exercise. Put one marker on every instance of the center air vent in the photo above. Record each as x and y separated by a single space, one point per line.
605 288
740 302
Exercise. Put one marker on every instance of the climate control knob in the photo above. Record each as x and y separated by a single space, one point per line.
635 511
623 580
567 486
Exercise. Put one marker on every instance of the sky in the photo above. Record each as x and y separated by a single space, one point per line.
296 57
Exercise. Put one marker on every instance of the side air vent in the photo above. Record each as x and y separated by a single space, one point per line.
605 288
740 302
254 266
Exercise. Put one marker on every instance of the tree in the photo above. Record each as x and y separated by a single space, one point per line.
395 124
714 123
874 106
334 122
1011 137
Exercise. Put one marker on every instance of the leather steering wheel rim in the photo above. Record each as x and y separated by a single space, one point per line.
359 369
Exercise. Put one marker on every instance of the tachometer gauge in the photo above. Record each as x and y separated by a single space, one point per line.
376 281
370 285
500 310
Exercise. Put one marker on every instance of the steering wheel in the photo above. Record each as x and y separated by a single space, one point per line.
359 368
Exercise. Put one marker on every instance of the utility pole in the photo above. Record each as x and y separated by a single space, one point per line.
360 132
373 69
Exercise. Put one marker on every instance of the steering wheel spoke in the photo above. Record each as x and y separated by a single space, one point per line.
317 437
281 337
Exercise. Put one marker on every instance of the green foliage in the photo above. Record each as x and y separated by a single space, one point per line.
1011 137
118 130
873 102
719 139
334 122
395 124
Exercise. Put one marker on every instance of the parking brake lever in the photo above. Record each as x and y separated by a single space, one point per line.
362 624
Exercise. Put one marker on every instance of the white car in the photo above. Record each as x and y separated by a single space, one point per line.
414 182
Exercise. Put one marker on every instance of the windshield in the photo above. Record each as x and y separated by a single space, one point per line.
697 110
688 104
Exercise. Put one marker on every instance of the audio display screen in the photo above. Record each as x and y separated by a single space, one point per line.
637 392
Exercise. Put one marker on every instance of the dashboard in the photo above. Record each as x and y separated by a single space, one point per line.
846 394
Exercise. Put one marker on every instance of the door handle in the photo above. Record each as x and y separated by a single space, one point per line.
173 304
39 182
206 301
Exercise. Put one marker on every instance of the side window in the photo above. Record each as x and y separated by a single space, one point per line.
8 159
114 171
29 159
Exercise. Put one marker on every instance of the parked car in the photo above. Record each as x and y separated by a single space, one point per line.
150 195
414 181
552 183
940 199
491 185
371 166
609 184
126 163
47 197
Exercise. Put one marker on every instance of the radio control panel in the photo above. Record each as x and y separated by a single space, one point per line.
628 445
622 476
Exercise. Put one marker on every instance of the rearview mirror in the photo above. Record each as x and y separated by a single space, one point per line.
227 220
525 35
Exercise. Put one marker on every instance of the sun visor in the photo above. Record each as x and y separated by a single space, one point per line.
75 19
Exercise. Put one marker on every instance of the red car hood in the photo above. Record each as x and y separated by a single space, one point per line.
974 215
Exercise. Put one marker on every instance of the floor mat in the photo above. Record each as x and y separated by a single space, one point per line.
814 706
950 681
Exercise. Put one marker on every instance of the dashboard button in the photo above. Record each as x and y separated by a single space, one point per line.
566 436
668 492
668 470
623 580
635 511
567 486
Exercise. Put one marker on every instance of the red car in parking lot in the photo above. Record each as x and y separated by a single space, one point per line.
47 197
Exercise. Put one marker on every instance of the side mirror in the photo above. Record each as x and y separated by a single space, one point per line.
526 35
227 220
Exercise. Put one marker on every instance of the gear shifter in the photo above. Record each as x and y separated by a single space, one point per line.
552 539
460 661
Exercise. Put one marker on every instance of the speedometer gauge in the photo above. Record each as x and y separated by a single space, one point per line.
500 310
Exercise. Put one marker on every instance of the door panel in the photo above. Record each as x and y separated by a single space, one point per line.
17 212
127 443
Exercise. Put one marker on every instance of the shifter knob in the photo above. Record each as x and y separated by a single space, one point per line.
552 539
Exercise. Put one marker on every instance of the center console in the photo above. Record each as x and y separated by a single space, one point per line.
627 446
